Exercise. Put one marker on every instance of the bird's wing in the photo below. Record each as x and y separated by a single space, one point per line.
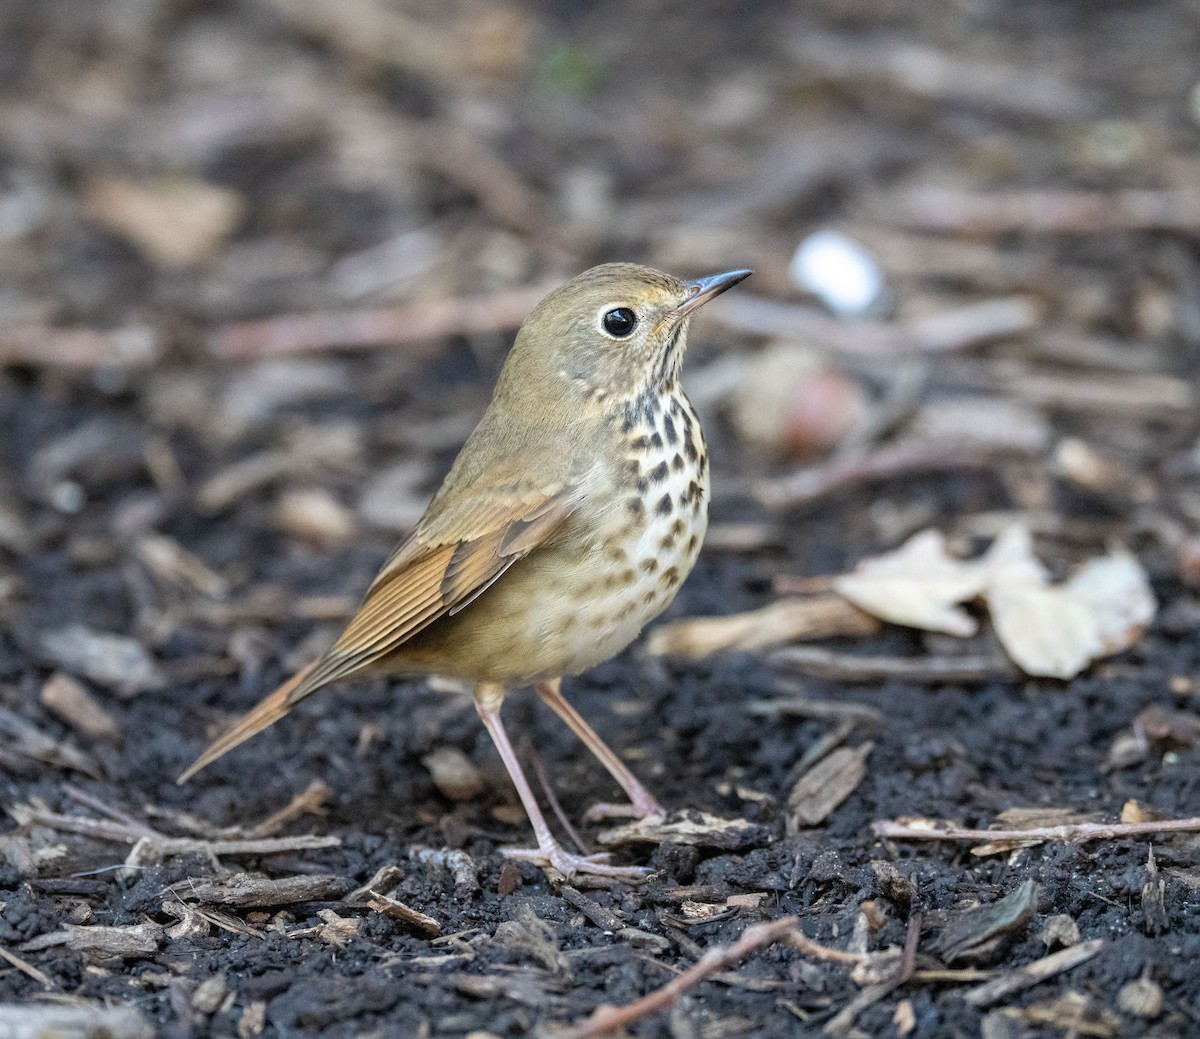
456 553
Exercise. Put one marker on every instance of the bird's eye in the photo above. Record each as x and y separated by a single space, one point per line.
619 322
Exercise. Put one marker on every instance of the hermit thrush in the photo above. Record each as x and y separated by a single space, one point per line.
568 521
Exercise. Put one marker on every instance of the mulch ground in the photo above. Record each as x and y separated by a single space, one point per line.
181 527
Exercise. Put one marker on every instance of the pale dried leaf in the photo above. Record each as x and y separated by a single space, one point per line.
692 827
1046 631
1116 590
918 585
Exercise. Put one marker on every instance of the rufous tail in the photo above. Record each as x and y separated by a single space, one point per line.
266 713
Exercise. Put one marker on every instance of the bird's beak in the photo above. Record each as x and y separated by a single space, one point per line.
703 289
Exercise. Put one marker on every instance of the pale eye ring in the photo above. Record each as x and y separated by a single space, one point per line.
619 322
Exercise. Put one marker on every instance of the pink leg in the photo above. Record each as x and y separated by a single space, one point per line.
548 849
641 801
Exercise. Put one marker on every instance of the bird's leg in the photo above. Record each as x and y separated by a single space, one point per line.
641 801
487 703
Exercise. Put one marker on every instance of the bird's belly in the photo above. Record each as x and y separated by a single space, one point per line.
584 595
575 602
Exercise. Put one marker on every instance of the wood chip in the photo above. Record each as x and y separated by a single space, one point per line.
603 918
79 1021
1072 1013
116 662
71 702
698 829
397 910
132 942
811 617
454 774
826 785
254 890
23 739
975 935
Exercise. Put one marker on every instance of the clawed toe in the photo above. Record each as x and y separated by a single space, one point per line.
605 810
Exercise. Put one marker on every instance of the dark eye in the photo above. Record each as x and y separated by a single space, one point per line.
619 322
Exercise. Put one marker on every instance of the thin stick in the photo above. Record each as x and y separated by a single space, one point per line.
427 321
1077 833
908 959
851 667
1038 971
904 458
539 770
608 1019
26 968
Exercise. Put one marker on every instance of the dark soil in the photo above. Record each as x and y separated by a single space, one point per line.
95 461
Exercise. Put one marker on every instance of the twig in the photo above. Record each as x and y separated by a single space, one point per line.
1038 971
961 211
606 1019
843 1021
821 710
79 348
424 322
556 807
310 800
160 844
908 958
905 458
26 968
850 667
1076 833
947 331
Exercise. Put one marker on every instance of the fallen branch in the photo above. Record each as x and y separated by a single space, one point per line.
1075 833
606 1019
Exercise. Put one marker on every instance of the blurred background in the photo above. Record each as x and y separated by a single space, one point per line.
260 261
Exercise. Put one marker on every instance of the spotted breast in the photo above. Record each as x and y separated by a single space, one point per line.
652 535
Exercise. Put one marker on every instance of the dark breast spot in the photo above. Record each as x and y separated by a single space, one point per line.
649 565
636 506
689 449
664 506
659 472
669 430
656 441
670 577
692 543
677 462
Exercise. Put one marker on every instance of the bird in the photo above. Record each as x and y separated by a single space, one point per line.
568 521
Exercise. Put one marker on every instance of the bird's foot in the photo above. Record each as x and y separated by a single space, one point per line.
640 808
568 865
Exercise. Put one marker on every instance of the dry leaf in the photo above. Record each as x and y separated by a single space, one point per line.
1051 631
175 223
918 585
